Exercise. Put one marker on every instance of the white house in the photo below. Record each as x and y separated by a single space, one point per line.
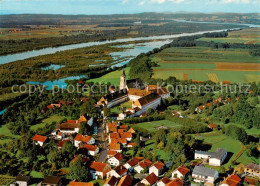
69 128
215 158
150 180
156 168
116 159
218 157
150 101
99 170
117 172
163 181
180 172
92 150
203 174
21 180
114 98
142 165
39 140
131 163
83 139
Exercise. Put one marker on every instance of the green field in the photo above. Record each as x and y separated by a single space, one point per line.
152 126
112 77
218 140
6 135
247 36
204 63
54 118
118 109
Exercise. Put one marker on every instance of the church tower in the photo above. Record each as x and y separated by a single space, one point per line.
123 80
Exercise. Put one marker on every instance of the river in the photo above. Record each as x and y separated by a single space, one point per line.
51 50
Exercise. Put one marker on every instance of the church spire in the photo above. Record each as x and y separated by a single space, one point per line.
123 80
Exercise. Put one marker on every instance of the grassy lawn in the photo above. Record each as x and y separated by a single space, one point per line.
6 135
150 145
112 77
117 109
152 126
36 174
204 63
54 118
218 140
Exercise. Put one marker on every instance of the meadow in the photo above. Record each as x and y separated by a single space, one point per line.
205 63
246 36
235 148
153 125
112 77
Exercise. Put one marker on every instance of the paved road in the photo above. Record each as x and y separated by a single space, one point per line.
103 145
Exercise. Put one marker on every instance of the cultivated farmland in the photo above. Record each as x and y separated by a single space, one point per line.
205 63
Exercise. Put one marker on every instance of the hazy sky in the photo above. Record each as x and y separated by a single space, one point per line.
126 6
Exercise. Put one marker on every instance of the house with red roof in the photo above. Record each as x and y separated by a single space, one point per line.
232 180
83 139
39 140
180 172
92 149
130 164
111 181
163 181
117 172
75 183
175 182
116 159
99 170
156 168
125 181
111 153
142 165
150 180
213 126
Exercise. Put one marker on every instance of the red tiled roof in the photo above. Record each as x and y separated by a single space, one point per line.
121 170
72 121
123 126
111 152
89 147
126 135
125 181
119 156
115 146
165 180
39 138
61 143
82 119
232 180
98 166
226 82
111 181
212 125
201 107
159 165
208 104
145 163
183 170
114 135
72 183
133 162
132 144
175 182
82 138
152 178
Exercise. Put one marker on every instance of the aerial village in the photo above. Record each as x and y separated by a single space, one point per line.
103 151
